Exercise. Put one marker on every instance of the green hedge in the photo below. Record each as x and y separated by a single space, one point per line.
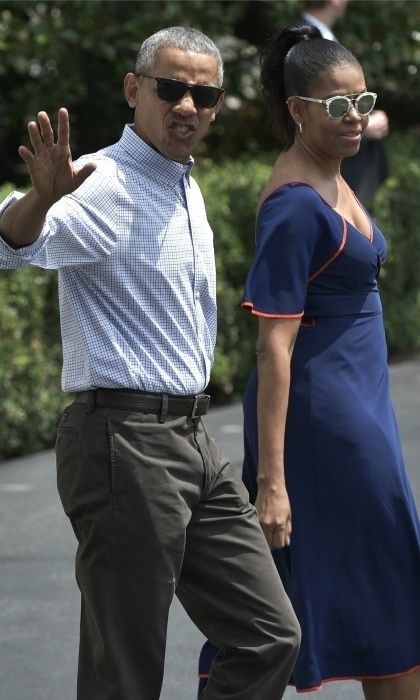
30 356
30 361
231 191
396 208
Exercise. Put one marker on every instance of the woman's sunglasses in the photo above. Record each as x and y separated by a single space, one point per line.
338 106
170 90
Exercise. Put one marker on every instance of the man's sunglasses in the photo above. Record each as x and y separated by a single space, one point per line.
337 107
170 90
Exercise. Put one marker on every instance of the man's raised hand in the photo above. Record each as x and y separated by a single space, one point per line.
50 164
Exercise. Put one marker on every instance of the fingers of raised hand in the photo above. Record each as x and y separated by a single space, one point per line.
36 138
26 155
63 130
45 128
42 134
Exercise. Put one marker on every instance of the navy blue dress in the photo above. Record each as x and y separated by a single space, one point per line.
352 570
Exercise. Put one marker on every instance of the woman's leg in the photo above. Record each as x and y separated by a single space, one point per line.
399 688
207 654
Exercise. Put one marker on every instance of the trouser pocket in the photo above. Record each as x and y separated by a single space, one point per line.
85 479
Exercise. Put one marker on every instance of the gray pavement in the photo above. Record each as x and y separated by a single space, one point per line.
39 602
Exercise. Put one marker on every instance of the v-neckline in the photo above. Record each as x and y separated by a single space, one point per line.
349 223
369 237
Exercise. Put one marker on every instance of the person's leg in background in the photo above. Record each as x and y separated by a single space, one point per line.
207 654
404 687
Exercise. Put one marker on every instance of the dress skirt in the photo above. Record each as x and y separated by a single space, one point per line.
352 569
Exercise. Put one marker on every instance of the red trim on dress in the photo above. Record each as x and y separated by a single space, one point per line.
343 678
356 678
336 254
249 306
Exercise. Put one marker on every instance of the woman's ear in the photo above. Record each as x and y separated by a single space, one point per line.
296 109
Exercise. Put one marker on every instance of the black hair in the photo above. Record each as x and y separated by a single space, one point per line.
291 64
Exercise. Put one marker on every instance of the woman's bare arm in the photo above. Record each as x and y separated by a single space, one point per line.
275 346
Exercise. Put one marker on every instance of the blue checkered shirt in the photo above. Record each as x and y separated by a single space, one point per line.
134 253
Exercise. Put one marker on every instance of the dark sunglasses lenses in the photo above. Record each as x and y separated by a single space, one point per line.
365 104
339 106
172 90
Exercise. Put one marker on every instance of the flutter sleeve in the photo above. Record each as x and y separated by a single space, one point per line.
289 225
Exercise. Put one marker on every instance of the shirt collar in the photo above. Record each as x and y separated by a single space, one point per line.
166 170
325 31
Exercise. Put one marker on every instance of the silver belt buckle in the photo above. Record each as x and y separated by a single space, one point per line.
193 415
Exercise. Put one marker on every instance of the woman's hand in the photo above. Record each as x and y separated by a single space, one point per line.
50 164
274 515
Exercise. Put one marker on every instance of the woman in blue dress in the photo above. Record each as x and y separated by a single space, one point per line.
322 449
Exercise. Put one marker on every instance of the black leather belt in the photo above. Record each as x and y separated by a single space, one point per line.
159 404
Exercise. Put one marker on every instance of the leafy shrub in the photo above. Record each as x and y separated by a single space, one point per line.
30 361
396 208
231 191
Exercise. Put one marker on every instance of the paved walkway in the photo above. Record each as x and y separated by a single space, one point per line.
39 604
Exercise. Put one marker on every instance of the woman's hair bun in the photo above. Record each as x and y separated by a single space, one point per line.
299 32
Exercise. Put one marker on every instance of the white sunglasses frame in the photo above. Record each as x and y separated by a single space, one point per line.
353 101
